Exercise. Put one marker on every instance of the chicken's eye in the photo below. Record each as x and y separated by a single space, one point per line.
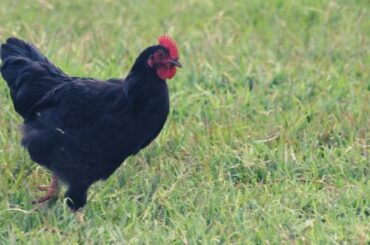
159 55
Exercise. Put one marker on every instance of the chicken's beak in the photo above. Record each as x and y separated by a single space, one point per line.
175 63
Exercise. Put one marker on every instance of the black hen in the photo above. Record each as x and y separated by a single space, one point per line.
82 129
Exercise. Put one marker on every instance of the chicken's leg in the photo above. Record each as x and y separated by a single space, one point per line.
51 191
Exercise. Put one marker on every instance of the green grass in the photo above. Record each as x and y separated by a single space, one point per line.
268 137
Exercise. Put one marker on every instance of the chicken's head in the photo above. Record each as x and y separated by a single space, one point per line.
165 59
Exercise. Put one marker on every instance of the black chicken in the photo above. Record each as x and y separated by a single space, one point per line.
82 129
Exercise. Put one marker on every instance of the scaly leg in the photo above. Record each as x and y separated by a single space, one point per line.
51 191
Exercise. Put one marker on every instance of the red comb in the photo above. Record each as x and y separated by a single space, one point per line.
170 44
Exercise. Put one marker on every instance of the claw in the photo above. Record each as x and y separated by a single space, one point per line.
43 188
80 217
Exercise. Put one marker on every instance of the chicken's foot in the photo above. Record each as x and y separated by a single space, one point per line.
51 191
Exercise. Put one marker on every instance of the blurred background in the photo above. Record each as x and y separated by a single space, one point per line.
268 136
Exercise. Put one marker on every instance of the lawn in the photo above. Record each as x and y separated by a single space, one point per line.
268 138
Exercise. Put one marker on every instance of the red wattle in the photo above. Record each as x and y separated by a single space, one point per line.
166 73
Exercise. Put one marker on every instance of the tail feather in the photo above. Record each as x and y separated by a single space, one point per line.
18 48
11 68
28 73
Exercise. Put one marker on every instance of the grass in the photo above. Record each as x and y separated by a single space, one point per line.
268 137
